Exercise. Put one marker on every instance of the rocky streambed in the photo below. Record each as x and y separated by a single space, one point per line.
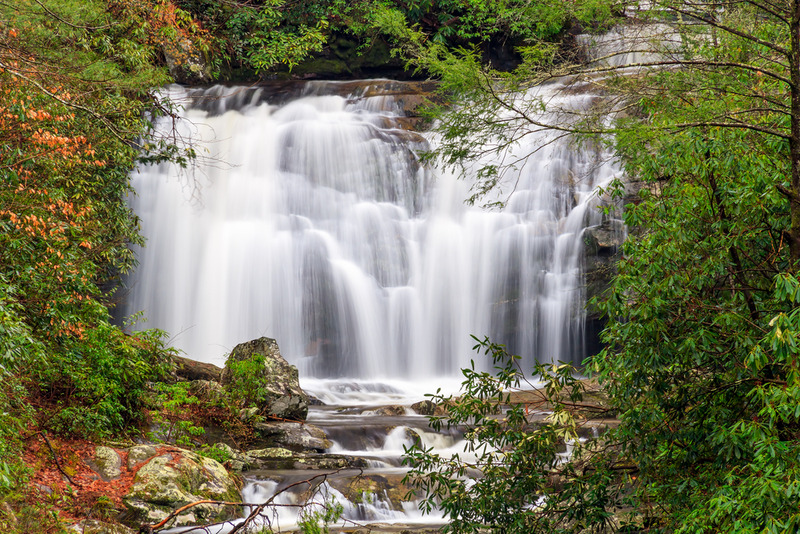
335 445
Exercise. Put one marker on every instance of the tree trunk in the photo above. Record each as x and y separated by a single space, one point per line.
794 141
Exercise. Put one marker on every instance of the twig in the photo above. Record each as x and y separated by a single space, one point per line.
148 529
283 420
55 459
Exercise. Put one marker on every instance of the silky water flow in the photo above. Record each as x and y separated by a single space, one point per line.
308 217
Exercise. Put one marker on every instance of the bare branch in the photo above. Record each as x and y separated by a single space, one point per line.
734 31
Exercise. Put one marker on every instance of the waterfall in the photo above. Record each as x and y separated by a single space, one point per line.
309 218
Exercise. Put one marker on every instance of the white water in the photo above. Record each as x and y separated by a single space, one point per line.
313 223
288 507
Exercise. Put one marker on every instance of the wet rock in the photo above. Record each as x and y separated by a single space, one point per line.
313 401
388 411
294 436
277 458
106 463
428 407
282 396
594 411
388 487
605 239
270 458
413 437
177 478
329 462
602 251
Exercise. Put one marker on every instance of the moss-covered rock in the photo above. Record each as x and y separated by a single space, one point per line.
186 61
177 478
140 453
106 463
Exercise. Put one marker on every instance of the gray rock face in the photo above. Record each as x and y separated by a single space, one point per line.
106 463
279 393
293 436
605 239
180 477
278 458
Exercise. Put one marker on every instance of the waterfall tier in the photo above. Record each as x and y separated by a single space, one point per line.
309 218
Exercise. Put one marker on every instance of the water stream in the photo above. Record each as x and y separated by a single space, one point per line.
310 219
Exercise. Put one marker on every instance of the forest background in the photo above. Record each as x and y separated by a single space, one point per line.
701 359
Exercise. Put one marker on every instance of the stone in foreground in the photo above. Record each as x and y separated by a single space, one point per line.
176 478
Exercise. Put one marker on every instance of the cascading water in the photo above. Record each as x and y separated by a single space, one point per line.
309 219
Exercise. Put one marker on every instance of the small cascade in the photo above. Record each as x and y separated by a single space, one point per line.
373 497
309 218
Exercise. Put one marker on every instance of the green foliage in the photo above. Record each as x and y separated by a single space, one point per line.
317 521
16 416
701 357
702 360
277 34
220 454
269 47
75 100
173 414
513 476
107 371
248 385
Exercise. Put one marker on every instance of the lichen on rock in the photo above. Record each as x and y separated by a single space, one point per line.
106 463
177 478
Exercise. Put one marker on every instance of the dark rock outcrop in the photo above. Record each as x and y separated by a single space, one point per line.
428 407
186 369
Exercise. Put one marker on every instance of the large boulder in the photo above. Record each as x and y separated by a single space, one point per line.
256 374
176 478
